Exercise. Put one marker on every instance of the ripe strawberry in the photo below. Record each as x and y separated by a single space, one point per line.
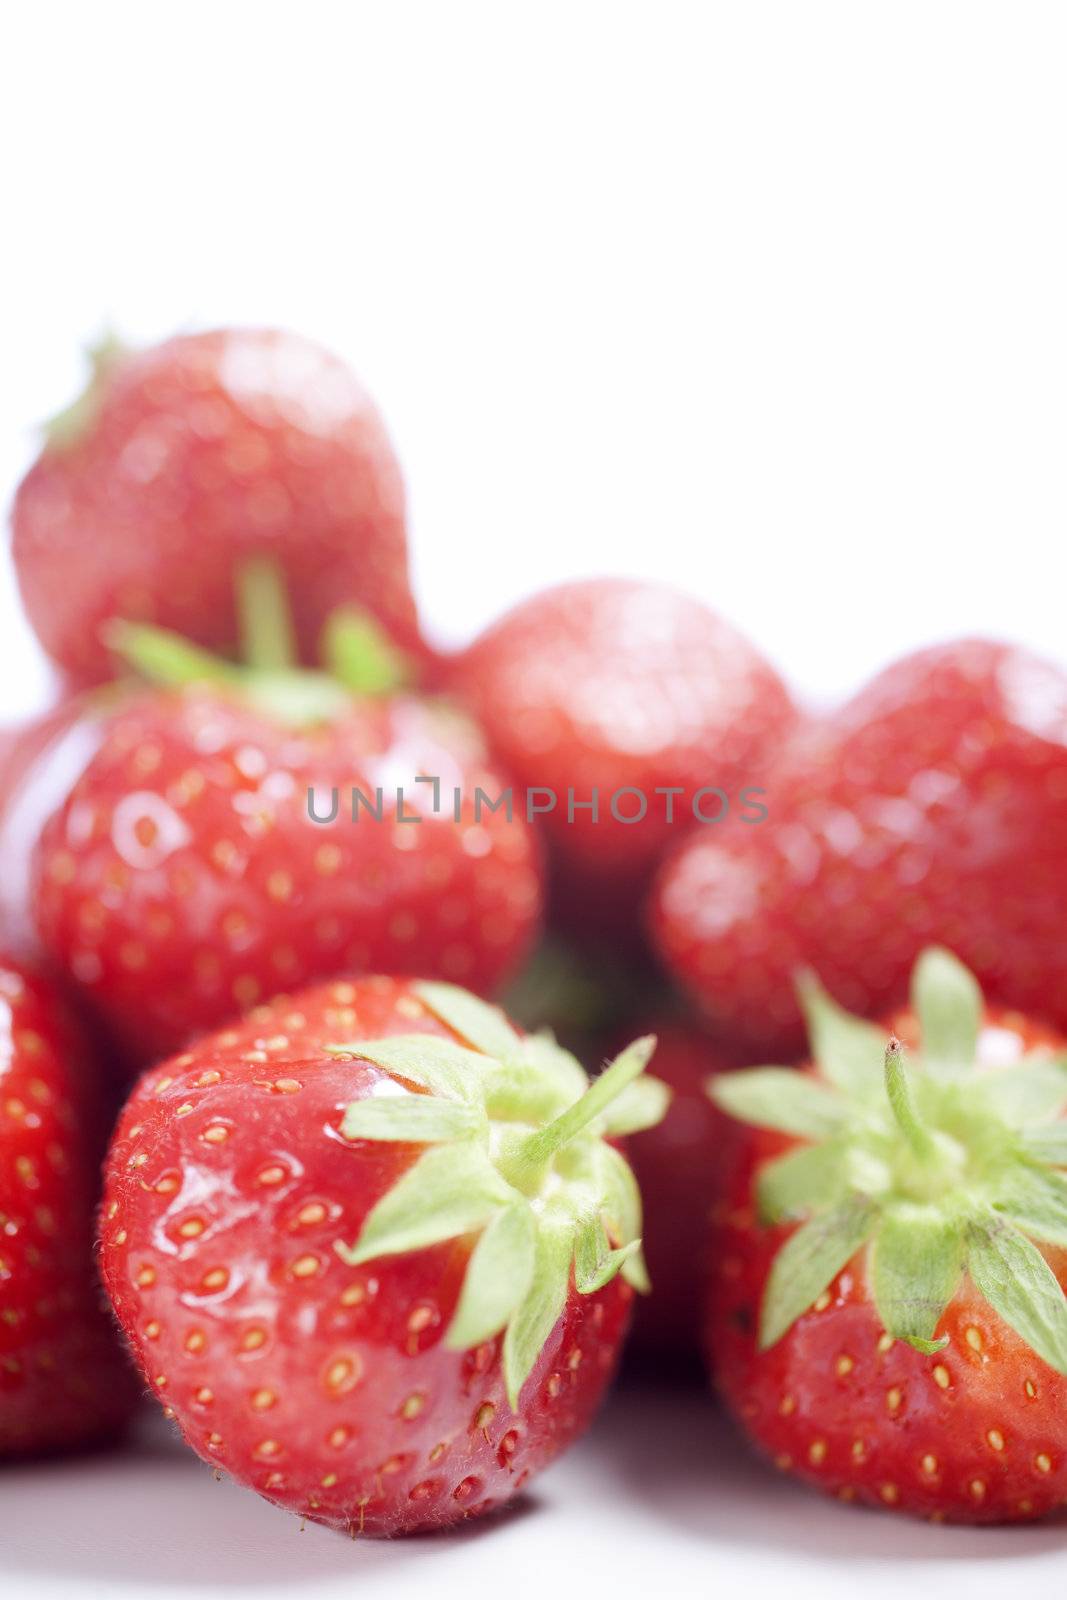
616 685
676 1164
881 1318
63 1378
183 460
932 807
340 1236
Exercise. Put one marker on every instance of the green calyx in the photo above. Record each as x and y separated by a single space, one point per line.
359 657
937 1168
518 1153
64 430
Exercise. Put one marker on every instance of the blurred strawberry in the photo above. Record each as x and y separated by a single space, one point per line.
182 461
931 808
211 855
63 1379
677 1167
619 685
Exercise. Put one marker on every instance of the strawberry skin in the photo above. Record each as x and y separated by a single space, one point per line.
182 880
191 456
326 1387
932 807
676 1165
613 684
973 1432
64 1381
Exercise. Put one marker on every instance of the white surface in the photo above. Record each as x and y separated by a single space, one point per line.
767 299
660 1499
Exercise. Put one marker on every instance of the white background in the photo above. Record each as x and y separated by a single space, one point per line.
769 299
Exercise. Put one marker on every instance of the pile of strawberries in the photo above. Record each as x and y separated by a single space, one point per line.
371 1240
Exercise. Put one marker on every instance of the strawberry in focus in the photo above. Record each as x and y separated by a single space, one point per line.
619 686
64 1381
182 461
209 855
887 1315
374 1250
932 808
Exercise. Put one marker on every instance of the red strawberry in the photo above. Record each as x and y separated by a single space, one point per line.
183 460
676 1164
63 1379
881 1318
340 1237
183 879
615 685
932 807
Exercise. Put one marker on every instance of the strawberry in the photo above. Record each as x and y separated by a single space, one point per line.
628 689
183 460
931 808
63 1379
375 1251
676 1163
193 868
887 1315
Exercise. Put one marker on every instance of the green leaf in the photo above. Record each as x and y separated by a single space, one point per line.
849 1051
808 1263
1029 1092
359 653
165 658
780 1098
948 1002
543 1304
268 642
918 1260
804 1180
1045 1143
451 1190
1036 1202
541 1053
595 1262
412 1119
1021 1287
483 1026
498 1278
435 1064
621 1209
642 1104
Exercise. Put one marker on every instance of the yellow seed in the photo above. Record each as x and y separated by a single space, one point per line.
204 1396
817 1452
305 1266
216 1278
192 1228
412 1406
146 1277
786 1406
1030 1388
823 1301
263 1399
329 1480
268 1447
859 1449
973 1338
195 1341
152 1330
978 1488
253 1339
314 1212
1043 1463
354 1295
941 1376
287 1086
843 1366
338 1438
889 1493
893 1398
216 1134
272 1175
929 1465
995 1438
885 1343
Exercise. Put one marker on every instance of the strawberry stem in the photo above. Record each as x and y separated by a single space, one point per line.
268 643
525 1164
902 1103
